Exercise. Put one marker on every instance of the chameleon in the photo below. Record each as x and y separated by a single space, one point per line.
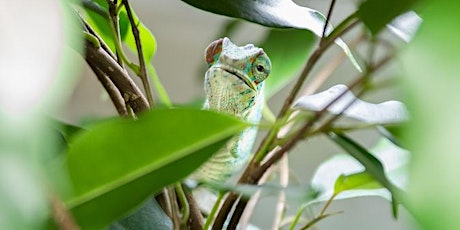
233 84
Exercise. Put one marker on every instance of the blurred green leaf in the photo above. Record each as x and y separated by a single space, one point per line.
376 14
288 51
369 161
117 164
431 85
362 180
273 13
372 165
101 24
337 170
148 42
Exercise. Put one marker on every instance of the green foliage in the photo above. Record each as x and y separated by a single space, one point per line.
288 50
139 157
431 81
376 14
113 168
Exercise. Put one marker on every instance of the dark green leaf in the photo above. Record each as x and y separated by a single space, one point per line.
273 13
149 216
117 164
376 14
288 51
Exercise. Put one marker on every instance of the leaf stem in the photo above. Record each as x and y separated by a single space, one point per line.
214 209
185 208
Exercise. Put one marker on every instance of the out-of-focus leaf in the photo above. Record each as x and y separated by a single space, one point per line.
347 172
148 42
117 164
431 79
288 51
273 13
149 216
362 180
376 14
405 25
101 24
389 112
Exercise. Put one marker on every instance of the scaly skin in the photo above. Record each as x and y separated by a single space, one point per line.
233 85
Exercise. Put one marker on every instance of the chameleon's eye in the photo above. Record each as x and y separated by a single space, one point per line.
261 68
212 52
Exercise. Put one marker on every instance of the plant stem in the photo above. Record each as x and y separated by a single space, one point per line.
328 18
213 212
185 208
142 68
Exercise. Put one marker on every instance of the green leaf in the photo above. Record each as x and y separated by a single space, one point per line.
117 164
431 78
376 14
344 173
273 13
149 216
101 24
362 180
288 51
148 42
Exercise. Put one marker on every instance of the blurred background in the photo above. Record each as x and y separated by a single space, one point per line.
182 33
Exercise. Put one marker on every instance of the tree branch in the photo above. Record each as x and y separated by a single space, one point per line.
112 90
100 61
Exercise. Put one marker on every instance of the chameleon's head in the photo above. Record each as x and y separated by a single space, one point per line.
234 80
249 63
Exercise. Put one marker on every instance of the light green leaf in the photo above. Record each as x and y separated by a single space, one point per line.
117 164
431 78
362 180
288 51
345 175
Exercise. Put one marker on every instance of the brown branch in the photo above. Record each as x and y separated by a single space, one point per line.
112 90
61 215
99 60
142 68
195 221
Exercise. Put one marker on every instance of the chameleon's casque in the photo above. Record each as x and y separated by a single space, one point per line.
233 84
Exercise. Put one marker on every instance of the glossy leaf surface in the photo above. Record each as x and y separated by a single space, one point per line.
116 165
376 14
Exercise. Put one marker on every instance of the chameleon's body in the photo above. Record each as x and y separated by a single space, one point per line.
233 85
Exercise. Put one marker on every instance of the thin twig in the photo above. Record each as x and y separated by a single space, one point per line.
326 23
114 19
140 53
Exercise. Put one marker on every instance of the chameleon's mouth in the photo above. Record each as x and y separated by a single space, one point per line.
242 77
